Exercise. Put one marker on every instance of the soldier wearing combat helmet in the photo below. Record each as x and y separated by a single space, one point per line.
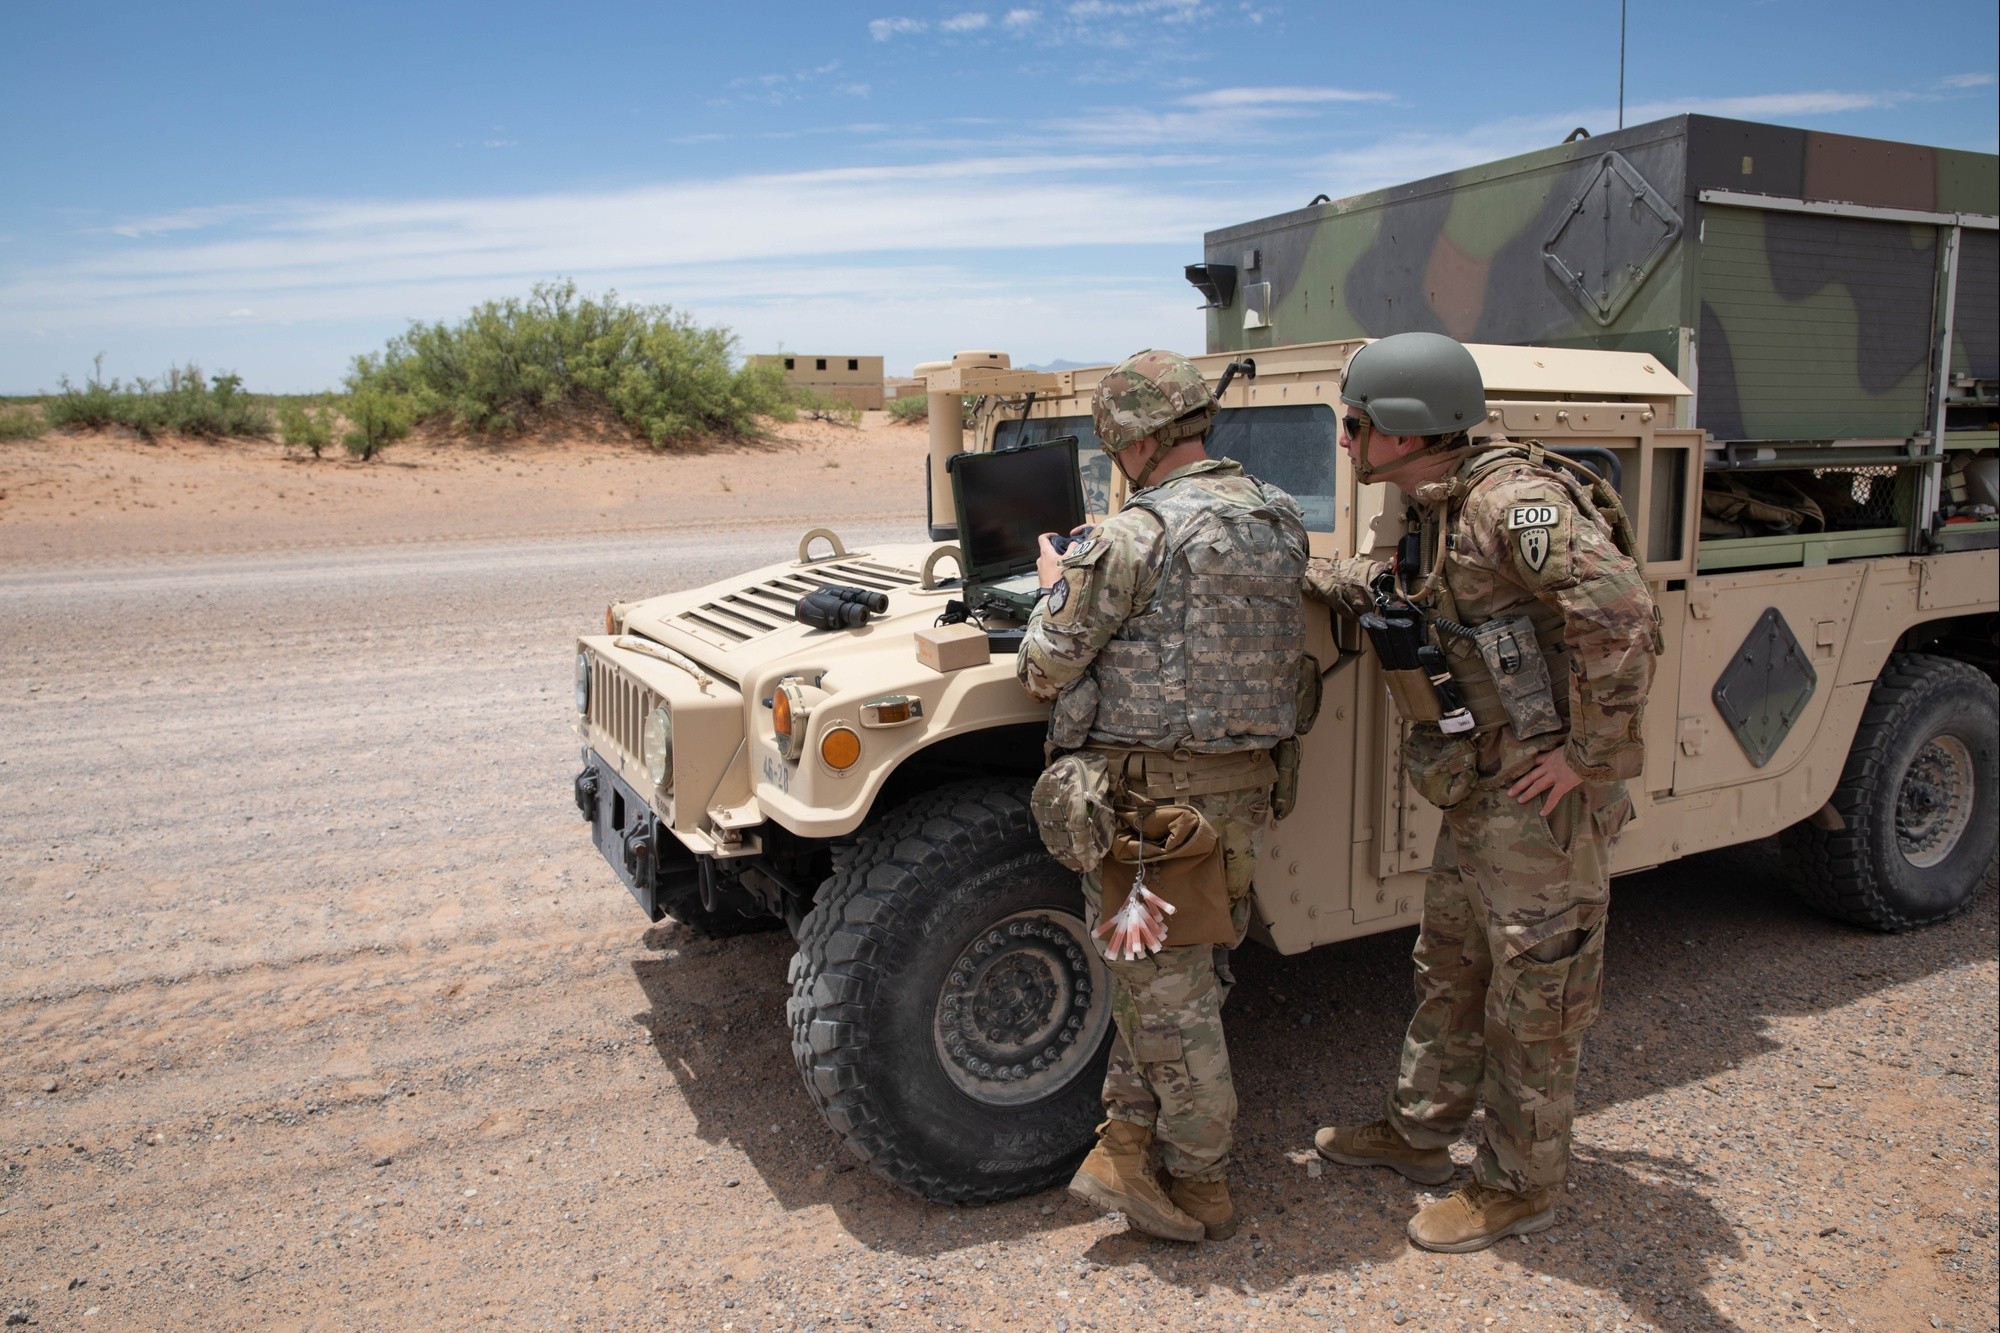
1533 591
1170 641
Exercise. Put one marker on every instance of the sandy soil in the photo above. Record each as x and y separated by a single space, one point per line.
108 495
318 1010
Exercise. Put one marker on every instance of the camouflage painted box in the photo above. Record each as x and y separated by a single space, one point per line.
1801 282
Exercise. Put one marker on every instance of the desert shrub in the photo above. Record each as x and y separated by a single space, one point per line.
912 407
376 418
815 405
183 401
308 426
509 365
22 423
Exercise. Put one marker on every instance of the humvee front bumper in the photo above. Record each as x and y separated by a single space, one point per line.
645 854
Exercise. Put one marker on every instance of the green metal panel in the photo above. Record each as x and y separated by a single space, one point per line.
1814 327
1975 321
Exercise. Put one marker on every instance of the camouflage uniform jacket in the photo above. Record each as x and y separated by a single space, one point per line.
1520 541
1177 625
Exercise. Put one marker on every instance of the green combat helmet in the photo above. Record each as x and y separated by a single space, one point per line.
1415 384
1151 393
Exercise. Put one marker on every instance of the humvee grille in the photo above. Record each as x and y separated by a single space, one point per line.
618 709
764 608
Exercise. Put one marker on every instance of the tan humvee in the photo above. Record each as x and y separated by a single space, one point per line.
949 1014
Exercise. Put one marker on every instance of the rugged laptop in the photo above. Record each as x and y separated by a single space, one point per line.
1005 500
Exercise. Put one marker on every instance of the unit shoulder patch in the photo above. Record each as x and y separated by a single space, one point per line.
1059 595
1535 544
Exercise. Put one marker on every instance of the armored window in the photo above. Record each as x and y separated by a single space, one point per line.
1292 447
820 364
853 363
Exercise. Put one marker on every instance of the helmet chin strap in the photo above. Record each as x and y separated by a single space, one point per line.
1366 472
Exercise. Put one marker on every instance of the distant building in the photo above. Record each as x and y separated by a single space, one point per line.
851 379
901 386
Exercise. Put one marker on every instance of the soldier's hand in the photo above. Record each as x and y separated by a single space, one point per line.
1343 584
1550 775
1048 565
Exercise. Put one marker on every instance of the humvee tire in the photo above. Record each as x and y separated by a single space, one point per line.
1917 798
948 1012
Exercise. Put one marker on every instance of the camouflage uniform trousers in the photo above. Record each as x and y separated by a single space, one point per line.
1509 972
1169 1064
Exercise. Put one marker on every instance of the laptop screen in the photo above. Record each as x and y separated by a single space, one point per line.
1006 499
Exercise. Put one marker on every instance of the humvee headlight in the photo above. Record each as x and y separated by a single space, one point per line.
583 682
659 745
792 702
840 748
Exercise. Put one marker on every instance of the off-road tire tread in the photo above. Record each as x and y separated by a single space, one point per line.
1829 870
863 910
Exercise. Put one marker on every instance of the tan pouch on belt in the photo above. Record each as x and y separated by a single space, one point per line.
1183 866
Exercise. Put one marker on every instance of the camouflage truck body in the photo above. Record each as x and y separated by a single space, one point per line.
1798 281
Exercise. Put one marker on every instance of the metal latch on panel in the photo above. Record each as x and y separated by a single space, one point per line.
1615 232
1765 688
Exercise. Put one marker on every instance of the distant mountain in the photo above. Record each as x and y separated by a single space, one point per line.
1054 366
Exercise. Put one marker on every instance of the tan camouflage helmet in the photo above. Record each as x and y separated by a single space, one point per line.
1151 393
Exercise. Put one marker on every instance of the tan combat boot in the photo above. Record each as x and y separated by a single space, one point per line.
1379 1144
1207 1202
1116 1178
1474 1216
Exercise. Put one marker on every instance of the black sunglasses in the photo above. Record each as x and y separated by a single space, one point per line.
1353 425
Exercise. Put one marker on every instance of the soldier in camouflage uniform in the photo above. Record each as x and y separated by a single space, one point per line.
1170 639
1509 959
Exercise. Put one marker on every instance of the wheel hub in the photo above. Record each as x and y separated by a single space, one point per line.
1022 1009
1934 802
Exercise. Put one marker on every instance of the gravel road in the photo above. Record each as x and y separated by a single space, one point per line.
317 1009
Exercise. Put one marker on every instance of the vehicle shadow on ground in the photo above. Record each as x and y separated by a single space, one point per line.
1702 957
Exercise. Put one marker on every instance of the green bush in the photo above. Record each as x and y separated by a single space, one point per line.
307 426
376 417
26 423
817 406
912 407
512 365
183 401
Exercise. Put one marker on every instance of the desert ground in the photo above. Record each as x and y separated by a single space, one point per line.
319 1010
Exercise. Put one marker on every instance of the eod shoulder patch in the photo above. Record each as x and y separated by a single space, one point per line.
1537 526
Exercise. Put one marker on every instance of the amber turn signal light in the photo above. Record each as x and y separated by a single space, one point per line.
840 748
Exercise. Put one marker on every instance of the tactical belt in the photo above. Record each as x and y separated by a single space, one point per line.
1157 775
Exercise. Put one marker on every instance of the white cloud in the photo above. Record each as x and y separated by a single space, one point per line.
883 29
503 143
1763 106
1018 19
968 22
1967 80
1220 98
1167 11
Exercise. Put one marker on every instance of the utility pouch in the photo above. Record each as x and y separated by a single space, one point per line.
1520 675
1074 711
1285 791
1072 805
1416 698
1442 768
1183 859
1311 688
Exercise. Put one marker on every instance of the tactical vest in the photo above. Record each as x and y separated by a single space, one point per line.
1468 668
1211 667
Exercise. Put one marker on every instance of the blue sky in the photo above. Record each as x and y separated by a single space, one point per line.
270 189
